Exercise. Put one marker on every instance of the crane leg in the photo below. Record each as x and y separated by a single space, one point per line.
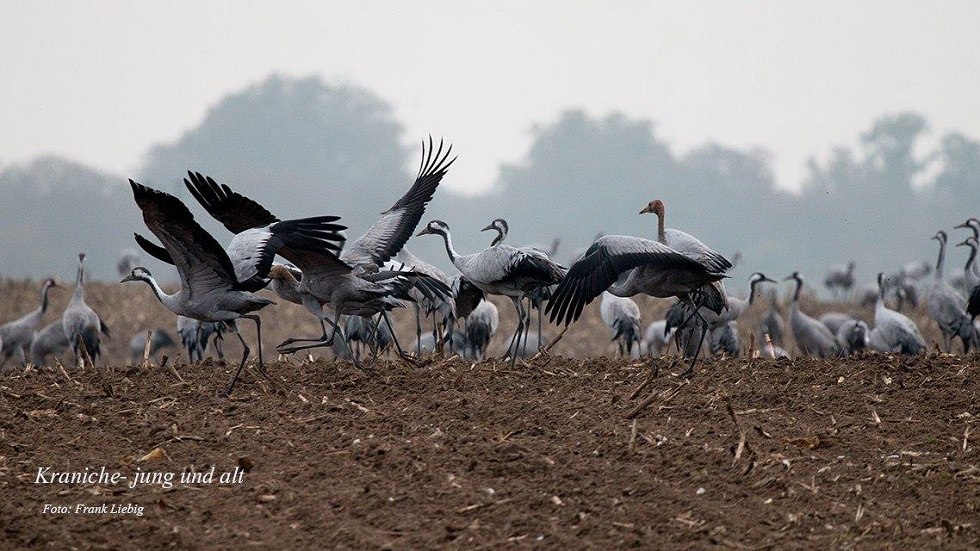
245 352
515 340
704 333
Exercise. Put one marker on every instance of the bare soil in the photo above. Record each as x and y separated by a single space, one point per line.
869 452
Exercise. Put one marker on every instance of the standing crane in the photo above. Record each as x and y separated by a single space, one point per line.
16 335
812 337
946 306
893 331
840 279
81 324
502 270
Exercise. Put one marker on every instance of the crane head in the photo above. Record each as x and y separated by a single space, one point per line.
656 206
434 227
139 273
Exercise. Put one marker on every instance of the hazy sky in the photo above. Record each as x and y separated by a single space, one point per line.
102 81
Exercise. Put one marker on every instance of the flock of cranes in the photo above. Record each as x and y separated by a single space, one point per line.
351 288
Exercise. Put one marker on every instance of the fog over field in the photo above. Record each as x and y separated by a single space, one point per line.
801 136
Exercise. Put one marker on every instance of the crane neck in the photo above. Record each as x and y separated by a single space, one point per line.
450 250
972 257
661 233
796 294
165 299
941 261
752 291
79 293
44 297
501 235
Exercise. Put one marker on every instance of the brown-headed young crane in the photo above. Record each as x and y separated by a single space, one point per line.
627 266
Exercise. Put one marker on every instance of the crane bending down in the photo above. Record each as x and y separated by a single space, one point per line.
210 289
502 270
626 266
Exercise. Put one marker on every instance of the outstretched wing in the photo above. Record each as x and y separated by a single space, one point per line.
606 259
235 211
692 247
201 262
390 233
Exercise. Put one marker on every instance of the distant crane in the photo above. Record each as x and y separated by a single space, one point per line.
893 331
481 326
812 337
81 324
159 340
622 315
840 279
16 335
946 306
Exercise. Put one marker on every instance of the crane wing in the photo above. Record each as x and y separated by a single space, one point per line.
390 233
692 247
201 262
603 262
235 211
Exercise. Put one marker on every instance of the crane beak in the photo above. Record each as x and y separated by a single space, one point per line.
963 225
962 244
788 278
127 278
646 209
488 228
769 280
425 231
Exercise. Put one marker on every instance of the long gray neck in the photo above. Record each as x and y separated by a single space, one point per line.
941 260
79 293
44 297
973 256
799 285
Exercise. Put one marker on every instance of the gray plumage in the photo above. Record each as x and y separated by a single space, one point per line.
724 339
481 325
80 323
772 322
49 341
502 270
834 320
852 336
209 289
196 336
353 282
971 272
893 331
812 337
16 335
362 331
840 279
159 340
657 338
622 315
946 306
